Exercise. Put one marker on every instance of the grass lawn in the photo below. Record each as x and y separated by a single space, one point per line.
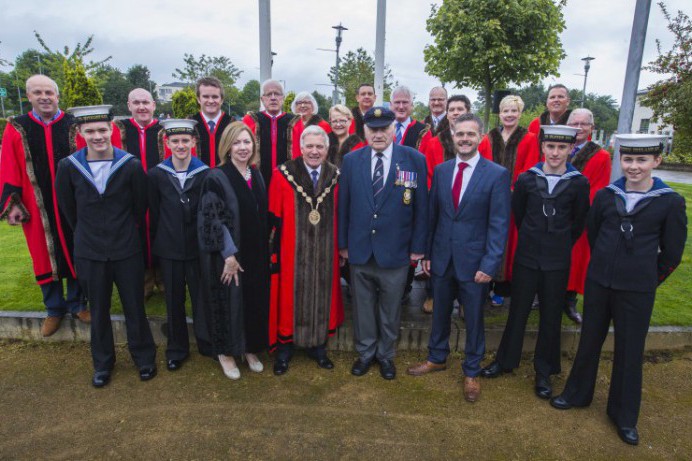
18 291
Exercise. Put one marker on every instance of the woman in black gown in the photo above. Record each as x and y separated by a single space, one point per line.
233 234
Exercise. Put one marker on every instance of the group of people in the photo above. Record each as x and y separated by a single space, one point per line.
260 219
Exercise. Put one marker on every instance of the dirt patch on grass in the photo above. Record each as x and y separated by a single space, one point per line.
49 411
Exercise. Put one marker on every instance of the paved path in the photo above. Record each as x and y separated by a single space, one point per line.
684 177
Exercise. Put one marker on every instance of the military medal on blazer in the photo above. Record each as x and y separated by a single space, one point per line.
314 216
408 179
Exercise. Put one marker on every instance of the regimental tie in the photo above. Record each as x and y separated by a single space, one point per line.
378 178
456 187
399 132
574 151
315 177
211 125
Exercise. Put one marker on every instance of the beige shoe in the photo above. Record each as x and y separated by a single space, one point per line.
253 363
472 389
50 326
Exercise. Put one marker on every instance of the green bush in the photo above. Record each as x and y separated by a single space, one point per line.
682 150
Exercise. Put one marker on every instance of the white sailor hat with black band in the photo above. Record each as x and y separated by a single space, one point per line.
88 114
559 133
178 126
641 143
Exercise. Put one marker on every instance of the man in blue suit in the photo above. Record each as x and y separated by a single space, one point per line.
469 220
383 212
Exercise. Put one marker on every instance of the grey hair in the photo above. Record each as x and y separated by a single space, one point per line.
302 96
581 111
311 130
271 82
55 85
469 117
403 90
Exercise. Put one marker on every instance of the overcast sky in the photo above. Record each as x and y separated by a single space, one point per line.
157 33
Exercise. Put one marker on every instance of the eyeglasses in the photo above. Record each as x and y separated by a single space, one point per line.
303 103
580 125
273 94
339 122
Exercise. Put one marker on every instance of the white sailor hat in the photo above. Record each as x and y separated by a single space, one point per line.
85 114
179 126
559 133
641 143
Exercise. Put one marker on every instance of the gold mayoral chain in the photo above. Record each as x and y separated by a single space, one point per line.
314 216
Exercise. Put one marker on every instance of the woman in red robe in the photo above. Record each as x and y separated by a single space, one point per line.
305 107
441 147
516 149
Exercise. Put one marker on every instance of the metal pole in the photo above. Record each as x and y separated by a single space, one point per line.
19 98
587 65
40 67
379 50
335 95
265 40
634 65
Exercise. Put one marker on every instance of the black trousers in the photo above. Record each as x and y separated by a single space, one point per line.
97 278
631 314
284 351
176 275
551 287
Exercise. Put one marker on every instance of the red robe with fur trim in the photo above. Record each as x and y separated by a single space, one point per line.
299 127
594 163
306 306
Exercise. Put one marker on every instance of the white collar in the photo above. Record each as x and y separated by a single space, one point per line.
387 153
472 162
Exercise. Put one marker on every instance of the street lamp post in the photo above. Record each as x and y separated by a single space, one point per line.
587 65
335 95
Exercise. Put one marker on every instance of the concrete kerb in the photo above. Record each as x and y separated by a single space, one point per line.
413 336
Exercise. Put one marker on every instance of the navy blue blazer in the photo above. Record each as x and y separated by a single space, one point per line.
395 228
474 236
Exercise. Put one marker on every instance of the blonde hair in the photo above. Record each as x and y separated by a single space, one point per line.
341 109
229 136
512 99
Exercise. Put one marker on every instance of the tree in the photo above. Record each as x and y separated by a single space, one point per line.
288 100
220 67
251 95
114 87
184 103
78 90
356 68
323 103
420 110
488 44
139 76
670 98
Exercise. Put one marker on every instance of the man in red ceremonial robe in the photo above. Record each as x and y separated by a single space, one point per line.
305 305
365 97
408 131
144 138
272 128
593 162
32 146
211 120
556 112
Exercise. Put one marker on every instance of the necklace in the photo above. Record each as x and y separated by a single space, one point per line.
248 173
314 215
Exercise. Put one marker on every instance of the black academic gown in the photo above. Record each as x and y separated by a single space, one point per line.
549 224
631 254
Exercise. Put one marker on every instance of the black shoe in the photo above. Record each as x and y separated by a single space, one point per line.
325 363
544 389
560 403
629 435
280 367
101 378
147 372
571 310
359 367
387 369
494 370
173 365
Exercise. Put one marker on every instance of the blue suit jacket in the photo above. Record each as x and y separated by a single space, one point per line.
394 229
474 236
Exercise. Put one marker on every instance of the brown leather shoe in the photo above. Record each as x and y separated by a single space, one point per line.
50 326
472 389
428 306
84 316
420 369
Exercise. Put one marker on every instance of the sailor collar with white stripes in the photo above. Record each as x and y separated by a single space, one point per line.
569 173
195 166
79 160
657 189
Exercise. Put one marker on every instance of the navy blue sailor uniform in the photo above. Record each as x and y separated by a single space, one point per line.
173 202
105 205
637 240
550 212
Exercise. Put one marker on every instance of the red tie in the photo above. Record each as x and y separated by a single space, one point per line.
456 187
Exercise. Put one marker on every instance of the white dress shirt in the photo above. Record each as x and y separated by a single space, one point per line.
466 175
386 161
215 119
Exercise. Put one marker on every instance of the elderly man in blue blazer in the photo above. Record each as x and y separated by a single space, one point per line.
383 213
469 220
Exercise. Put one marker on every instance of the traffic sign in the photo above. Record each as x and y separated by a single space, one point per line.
3 92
